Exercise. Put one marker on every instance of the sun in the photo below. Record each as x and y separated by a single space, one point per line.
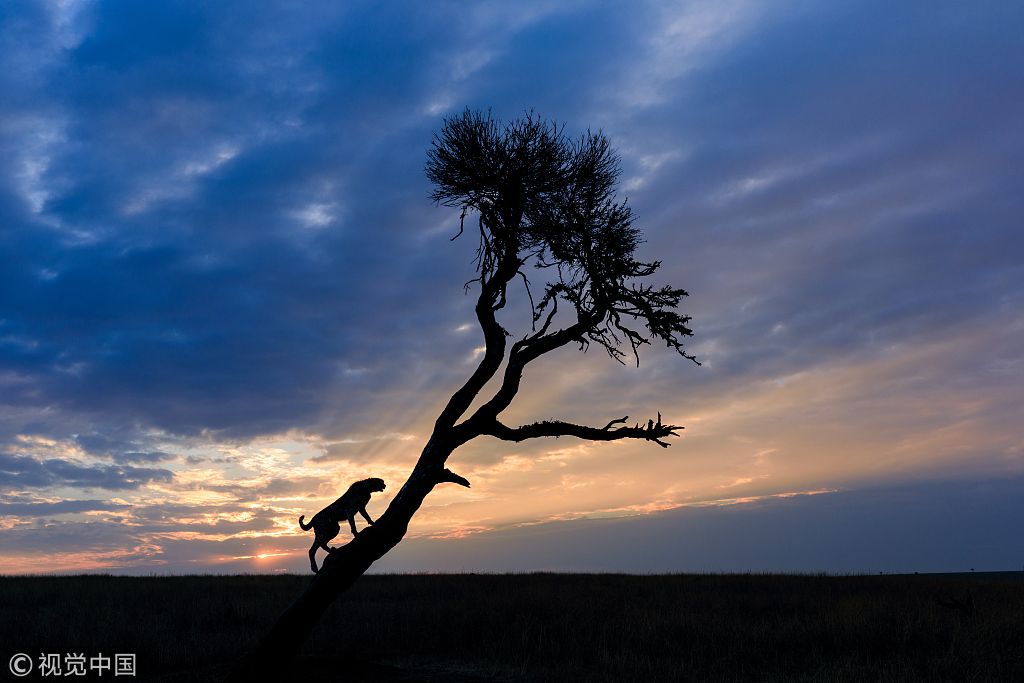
267 555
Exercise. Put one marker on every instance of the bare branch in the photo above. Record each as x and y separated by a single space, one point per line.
462 225
491 291
526 284
522 353
448 476
620 421
653 431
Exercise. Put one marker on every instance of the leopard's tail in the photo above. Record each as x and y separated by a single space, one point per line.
305 527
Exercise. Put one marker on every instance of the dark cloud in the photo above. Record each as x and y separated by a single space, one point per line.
216 279
847 193
19 472
120 451
50 536
44 509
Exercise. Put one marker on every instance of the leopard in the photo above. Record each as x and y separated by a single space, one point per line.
326 524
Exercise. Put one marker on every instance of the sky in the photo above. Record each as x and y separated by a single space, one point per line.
225 294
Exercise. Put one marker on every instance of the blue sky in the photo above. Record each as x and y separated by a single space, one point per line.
224 293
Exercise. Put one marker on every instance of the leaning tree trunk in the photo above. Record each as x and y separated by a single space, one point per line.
345 564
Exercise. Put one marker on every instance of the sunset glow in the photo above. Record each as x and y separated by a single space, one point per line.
225 294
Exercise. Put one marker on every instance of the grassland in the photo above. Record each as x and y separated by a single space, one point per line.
543 627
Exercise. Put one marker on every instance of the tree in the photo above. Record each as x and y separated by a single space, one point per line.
545 201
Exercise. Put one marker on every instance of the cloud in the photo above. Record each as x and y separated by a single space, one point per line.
18 472
222 283
267 316
121 452
926 526
48 508
939 525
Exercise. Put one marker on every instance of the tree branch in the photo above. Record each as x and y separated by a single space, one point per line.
491 291
522 353
448 476
653 431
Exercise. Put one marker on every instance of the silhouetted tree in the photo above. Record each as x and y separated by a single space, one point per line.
542 200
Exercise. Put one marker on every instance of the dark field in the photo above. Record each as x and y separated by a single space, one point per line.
542 627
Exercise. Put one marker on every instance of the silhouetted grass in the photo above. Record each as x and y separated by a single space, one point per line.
542 626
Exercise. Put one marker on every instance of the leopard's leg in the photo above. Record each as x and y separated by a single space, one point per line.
312 556
327 539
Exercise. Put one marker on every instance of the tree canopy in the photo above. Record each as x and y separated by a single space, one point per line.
546 200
